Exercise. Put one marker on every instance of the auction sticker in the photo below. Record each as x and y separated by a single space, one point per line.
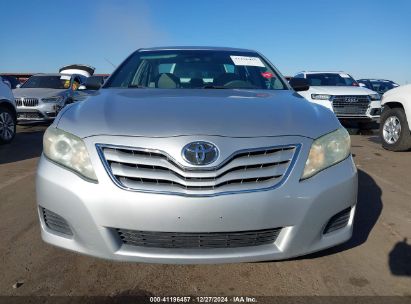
249 61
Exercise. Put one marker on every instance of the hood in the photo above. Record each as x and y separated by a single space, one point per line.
340 90
403 89
37 92
176 112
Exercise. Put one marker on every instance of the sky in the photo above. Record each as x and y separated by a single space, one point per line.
366 38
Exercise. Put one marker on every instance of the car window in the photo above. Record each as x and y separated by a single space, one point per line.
381 86
191 69
49 82
331 79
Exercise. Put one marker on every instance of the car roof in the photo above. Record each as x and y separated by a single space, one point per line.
374 79
56 74
323 72
202 48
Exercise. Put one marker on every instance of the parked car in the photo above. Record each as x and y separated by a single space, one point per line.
396 119
8 116
340 93
42 96
378 85
89 88
196 155
12 80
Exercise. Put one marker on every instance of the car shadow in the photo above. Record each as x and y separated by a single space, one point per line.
375 139
399 259
368 210
26 145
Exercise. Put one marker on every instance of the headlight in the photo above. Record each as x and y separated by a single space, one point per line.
375 96
69 151
327 151
321 96
54 99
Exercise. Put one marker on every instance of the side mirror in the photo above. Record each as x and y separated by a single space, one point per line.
299 84
92 83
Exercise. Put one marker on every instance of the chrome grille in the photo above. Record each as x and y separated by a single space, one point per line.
154 171
27 102
350 105
198 240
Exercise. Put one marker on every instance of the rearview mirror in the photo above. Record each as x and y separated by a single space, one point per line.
93 83
299 84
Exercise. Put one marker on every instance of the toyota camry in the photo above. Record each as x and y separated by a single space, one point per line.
196 155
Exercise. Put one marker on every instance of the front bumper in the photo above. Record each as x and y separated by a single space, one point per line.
44 112
92 210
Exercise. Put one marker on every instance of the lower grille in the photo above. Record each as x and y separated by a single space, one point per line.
350 105
338 221
29 115
198 240
55 222
27 102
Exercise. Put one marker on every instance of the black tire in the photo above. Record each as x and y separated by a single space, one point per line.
7 126
404 140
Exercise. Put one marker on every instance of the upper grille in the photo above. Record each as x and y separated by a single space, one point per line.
143 170
350 105
198 240
27 102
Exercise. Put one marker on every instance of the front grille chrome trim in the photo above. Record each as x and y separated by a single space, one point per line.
198 240
26 102
193 170
342 107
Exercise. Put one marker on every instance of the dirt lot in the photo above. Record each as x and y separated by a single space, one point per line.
376 261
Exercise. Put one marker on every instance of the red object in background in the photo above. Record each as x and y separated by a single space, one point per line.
355 84
267 75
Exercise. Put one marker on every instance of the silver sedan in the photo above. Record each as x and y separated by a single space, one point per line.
196 155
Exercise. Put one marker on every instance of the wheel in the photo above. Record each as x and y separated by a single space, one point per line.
7 126
394 130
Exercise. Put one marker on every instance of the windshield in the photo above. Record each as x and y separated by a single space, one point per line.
194 69
49 82
331 79
382 86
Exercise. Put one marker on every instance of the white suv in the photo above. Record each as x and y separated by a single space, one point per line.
395 124
340 93
8 115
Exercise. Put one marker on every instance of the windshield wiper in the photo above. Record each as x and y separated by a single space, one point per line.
209 86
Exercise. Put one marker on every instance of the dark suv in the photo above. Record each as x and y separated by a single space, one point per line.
378 85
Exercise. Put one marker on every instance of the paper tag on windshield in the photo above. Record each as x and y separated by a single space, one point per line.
345 76
65 77
250 61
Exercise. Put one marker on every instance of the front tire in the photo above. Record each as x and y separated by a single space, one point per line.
394 130
7 126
